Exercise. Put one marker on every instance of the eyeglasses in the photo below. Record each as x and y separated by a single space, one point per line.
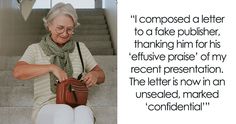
62 29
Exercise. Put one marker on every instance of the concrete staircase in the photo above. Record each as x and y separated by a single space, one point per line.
16 96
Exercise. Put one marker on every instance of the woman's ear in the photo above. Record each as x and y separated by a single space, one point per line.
50 27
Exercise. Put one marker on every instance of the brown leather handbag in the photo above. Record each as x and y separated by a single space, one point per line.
72 92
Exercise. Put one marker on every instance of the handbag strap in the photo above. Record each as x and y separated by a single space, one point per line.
81 59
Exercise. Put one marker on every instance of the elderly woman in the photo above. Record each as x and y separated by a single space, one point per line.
56 57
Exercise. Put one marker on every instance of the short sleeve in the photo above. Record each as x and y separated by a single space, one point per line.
29 55
89 61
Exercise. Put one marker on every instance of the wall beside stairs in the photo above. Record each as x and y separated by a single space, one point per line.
13 29
111 15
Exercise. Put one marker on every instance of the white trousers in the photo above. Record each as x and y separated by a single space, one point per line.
64 114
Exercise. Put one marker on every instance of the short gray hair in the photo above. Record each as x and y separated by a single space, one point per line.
61 9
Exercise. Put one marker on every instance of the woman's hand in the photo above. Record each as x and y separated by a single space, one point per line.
58 72
95 76
90 79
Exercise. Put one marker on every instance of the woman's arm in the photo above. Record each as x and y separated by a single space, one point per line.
24 71
95 76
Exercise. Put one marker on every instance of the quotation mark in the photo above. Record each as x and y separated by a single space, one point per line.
134 17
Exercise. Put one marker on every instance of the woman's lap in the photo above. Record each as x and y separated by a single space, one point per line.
64 114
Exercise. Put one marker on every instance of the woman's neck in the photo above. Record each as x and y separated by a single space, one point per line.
60 45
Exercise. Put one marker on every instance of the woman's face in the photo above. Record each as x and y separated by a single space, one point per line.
61 28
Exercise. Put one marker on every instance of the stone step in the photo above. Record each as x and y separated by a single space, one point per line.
36 16
3 63
92 21
34 31
91 17
102 96
7 80
27 38
15 115
91 27
82 38
36 12
34 24
92 32
98 44
8 62
97 11
100 19
102 51
16 96
22 115
105 115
